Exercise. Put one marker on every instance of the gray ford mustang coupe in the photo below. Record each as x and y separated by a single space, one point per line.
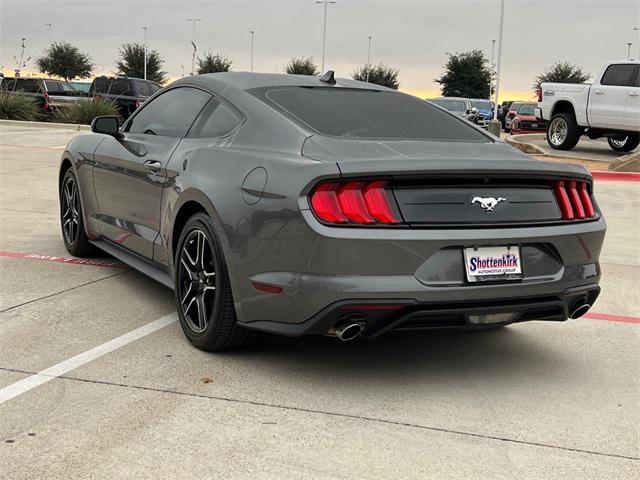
302 205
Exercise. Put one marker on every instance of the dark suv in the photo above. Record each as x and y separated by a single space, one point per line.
49 94
128 93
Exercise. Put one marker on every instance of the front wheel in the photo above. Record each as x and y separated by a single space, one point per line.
624 143
563 132
203 291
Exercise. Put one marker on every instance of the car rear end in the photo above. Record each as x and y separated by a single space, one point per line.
412 234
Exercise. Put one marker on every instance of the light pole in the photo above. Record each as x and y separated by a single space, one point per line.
252 34
493 65
495 113
636 29
49 25
193 42
145 52
324 30
368 58
629 50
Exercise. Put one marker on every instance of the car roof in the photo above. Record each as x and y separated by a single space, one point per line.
248 81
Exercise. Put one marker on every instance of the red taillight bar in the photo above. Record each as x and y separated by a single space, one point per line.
355 202
574 200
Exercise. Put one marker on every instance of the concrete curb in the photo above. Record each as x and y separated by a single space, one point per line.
46 125
517 142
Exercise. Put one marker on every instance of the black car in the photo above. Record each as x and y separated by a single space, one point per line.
128 93
49 94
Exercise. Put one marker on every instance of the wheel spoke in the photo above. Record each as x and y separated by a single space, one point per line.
202 312
186 295
187 267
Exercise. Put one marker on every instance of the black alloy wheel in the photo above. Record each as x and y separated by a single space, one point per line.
203 290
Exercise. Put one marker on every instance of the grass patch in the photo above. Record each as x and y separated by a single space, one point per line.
85 111
18 106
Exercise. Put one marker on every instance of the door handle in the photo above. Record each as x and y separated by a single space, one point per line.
153 166
634 94
599 92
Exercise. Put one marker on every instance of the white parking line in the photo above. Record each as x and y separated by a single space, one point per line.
72 363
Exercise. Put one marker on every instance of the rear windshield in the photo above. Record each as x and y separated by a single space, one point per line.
481 104
526 110
354 113
53 86
451 105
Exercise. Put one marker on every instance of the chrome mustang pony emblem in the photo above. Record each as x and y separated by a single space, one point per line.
488 203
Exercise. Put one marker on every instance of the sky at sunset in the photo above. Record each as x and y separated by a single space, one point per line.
412 36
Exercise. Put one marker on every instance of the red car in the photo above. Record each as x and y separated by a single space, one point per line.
525 120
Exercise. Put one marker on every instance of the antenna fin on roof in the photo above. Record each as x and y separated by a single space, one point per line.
328 77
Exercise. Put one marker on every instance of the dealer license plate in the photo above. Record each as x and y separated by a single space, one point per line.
493 263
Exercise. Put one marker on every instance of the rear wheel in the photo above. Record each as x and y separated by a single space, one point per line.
203 291
71 221
563 132
624 143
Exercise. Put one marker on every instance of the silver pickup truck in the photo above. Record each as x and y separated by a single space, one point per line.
610 107
49 94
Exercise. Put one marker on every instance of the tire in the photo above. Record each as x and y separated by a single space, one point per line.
563 133
203 291
74 234
624 143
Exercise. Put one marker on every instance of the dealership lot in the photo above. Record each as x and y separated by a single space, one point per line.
536 400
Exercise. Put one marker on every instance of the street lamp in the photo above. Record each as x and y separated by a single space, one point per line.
493 65
495 113
145 52
629 50
252 34
193 42
324 30
369 58
49 25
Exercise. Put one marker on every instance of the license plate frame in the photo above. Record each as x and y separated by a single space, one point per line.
493 263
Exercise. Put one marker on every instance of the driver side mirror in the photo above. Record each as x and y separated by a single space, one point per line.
107 125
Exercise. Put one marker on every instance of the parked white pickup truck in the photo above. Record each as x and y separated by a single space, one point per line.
610 107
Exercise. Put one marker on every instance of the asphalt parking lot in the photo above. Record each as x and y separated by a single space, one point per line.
535 400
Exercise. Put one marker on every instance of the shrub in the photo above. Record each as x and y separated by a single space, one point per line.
85 111
17 106
378 74
302 66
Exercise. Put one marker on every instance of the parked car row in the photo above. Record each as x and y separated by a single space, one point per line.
126 92
474 110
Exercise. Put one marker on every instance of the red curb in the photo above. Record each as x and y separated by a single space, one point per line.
611 318
616 176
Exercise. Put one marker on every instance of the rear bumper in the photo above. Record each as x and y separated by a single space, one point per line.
381 316
421 269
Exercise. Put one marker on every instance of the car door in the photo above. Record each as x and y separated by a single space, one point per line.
129 172
632 107
607 99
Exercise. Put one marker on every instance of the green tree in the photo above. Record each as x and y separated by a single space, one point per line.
379 74
213 63
466 74
302 66
131 63
561 72
64 60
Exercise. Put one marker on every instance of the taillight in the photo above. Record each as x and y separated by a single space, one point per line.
46 100
539 94
574 200
354 202
137 103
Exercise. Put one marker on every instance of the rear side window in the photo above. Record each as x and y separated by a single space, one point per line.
170 114
154 88
354 113
24 85
53 87
620 75
142 88
216 120
119 86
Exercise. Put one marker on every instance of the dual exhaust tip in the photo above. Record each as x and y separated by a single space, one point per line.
350 328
